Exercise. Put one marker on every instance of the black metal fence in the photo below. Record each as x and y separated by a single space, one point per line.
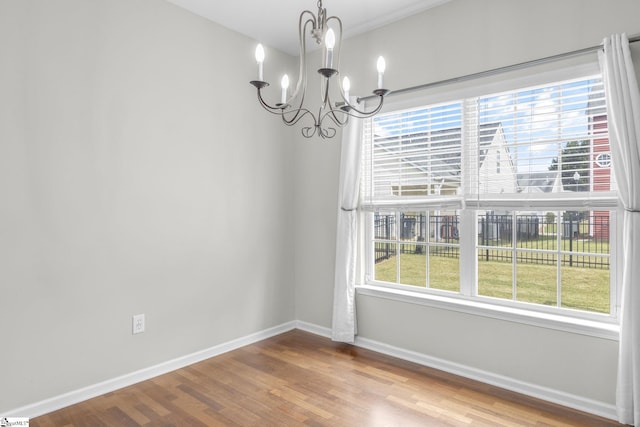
584 238
413 232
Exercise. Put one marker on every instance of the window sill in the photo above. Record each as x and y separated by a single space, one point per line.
592 328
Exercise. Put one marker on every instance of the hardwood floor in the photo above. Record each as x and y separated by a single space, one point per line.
299 378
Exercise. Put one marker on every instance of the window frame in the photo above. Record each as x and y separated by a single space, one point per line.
467 300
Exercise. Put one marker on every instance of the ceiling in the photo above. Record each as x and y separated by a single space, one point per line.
275 23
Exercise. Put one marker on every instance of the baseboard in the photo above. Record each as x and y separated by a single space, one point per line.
313 329
550 395
80 395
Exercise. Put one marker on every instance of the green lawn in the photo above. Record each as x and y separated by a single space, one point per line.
582 288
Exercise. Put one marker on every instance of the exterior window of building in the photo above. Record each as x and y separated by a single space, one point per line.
603 160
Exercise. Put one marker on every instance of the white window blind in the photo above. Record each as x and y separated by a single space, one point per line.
546 140
533 147
414 156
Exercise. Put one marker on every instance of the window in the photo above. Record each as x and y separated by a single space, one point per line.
603 160
503 198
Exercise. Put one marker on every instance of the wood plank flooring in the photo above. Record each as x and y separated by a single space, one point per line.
302 379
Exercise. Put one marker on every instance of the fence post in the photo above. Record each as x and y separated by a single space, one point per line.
484 234
570 239
387 235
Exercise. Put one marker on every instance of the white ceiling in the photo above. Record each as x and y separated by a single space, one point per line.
275 23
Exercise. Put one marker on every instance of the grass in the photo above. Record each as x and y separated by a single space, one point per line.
581 288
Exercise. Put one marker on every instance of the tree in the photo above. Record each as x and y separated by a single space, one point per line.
575 164
550 218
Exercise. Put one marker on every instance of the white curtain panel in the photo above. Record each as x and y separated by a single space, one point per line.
623 99
344 310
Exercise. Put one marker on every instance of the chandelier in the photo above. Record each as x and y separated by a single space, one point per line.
330 114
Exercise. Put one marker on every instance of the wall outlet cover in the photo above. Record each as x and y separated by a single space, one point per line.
138 324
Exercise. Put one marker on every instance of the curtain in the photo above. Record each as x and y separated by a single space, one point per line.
344 310
623 99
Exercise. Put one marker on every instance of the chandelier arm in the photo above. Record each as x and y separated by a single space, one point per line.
299 114
327 133
377 109
348 112
308 131
324 133
331 115
302 38
266 106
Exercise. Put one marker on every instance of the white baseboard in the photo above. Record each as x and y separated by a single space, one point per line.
314 329
80 395
580 403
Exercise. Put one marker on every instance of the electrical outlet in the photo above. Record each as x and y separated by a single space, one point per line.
138 324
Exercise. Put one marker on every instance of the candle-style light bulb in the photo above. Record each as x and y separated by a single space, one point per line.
346 87
329 43
382 65
260 61
285 85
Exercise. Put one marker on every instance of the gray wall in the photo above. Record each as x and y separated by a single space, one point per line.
137 175
457 38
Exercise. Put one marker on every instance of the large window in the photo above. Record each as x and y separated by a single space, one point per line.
506 198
